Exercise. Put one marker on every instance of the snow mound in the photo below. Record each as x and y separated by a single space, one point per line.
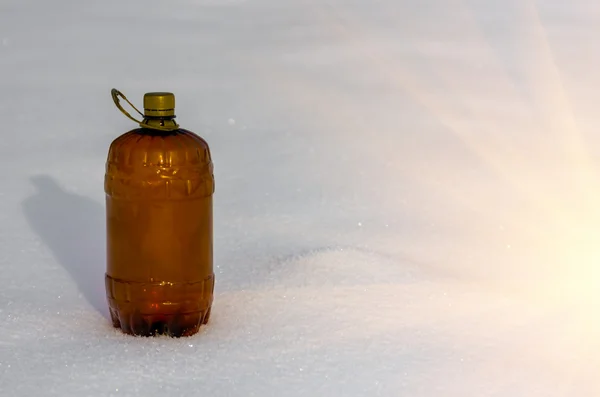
349 266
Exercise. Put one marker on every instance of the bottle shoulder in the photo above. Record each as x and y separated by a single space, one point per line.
146 147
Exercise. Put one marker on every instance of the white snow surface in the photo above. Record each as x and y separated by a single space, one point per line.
407 195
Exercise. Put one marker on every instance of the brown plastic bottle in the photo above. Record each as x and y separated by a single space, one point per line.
159 184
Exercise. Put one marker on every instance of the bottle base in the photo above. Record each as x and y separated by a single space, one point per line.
173 325
159 308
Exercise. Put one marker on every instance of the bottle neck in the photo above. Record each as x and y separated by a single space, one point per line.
160 121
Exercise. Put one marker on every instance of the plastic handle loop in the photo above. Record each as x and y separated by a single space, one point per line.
142 123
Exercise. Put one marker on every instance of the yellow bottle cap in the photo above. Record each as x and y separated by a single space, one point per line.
159 104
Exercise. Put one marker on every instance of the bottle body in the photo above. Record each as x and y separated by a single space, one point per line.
159 276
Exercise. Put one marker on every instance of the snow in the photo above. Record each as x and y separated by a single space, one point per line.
406 195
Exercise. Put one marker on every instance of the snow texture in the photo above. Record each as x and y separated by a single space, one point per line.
407 195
